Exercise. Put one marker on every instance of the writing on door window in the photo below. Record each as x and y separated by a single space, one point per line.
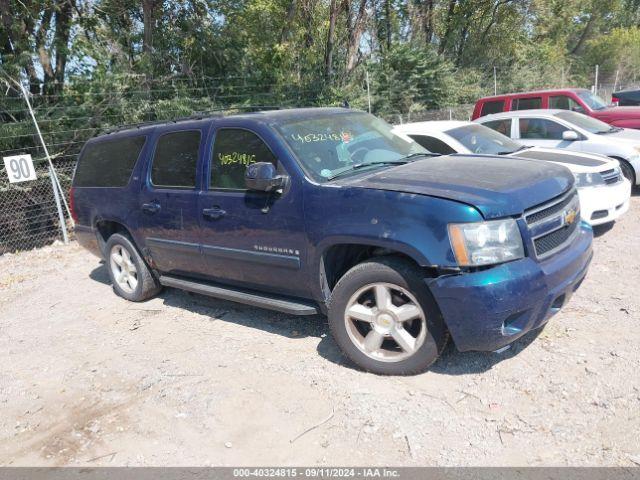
236 158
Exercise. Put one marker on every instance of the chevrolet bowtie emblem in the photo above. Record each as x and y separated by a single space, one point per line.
570 216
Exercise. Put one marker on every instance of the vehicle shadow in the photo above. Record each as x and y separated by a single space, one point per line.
451 361
290 326
599 230
285 325
282 324
100 274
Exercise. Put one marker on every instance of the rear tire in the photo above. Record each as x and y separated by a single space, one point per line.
130 276
384 318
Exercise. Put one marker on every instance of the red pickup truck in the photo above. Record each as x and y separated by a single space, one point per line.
575 99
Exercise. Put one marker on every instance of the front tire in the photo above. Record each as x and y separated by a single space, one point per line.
384 319
628 172
129 274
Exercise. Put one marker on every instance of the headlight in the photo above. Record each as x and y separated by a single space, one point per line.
486 243
637 148
588 179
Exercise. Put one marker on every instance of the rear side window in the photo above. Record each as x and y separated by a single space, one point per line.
233 150
108 163
526 103
495 106
540 128
500 126
175 160
434 145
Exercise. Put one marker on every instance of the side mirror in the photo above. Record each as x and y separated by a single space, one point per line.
262 177
570 136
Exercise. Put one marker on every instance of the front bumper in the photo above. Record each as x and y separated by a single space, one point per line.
604 204
489 309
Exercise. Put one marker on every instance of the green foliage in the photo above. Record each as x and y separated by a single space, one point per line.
617 51
135 60
409 78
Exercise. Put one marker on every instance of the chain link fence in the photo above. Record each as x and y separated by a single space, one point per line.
28 214
458 112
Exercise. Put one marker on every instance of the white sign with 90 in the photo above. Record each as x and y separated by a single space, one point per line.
19 168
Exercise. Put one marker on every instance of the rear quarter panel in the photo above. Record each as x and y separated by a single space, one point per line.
119 204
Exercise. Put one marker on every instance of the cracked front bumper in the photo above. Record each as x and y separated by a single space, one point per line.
489 309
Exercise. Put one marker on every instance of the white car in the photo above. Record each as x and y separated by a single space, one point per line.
572 131
604 192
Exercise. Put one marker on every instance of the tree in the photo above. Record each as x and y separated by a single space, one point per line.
356 22
334 11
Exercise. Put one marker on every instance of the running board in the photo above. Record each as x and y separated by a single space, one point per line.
248 297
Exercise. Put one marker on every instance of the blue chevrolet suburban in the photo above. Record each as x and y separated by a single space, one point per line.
326 211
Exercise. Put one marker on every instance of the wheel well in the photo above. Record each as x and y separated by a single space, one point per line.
338 259
106 228
622 160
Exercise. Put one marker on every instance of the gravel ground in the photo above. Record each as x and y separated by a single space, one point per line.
87 378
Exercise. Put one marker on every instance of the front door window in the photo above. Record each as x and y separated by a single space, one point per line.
233 151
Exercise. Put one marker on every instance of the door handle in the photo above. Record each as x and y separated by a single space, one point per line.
213 213
151 207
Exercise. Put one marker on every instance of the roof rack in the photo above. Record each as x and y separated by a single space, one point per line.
196 116
151 123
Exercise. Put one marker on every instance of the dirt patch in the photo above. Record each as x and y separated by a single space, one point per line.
87 378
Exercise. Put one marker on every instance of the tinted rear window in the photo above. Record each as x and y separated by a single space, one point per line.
108 163
496 106
500 126
527 103
175 159
434 145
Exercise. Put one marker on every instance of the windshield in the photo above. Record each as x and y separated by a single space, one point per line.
589 124
481 139
329 144
594 102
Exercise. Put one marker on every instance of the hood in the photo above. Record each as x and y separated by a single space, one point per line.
496 186
575 161
609 114
628 135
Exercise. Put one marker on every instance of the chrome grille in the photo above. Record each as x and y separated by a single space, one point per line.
611 176
554 240
554 224
539 213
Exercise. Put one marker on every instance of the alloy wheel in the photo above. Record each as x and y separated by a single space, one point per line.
123 268
385 322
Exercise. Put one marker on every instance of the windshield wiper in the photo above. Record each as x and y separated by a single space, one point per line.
400 161
413 156
611 130
519 149
358 166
